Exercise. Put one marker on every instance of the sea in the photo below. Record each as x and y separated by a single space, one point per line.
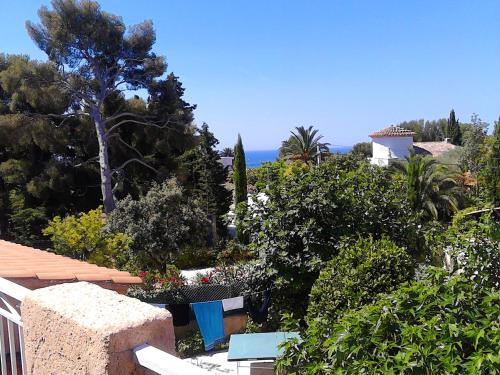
255 158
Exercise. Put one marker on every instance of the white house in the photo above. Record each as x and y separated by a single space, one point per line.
391 143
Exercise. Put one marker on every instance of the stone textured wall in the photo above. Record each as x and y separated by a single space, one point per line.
83 329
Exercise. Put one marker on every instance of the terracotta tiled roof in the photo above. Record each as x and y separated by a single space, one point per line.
17 261
393 131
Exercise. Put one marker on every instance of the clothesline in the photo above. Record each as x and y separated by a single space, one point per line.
210 314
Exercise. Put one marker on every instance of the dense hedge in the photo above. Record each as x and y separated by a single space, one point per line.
434 326
357 275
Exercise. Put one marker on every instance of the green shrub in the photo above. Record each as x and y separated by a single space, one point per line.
435 326
83 237
195 257
234 252
160 223
357 275
190 345
473 248
302 223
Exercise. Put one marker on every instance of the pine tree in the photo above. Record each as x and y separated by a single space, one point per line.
493 167
240 187
204 178
453 131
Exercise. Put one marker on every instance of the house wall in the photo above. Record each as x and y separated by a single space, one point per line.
386 148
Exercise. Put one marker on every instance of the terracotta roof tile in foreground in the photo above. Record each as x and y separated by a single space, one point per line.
17 261
393 131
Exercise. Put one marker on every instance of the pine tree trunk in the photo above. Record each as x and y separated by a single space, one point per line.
106 179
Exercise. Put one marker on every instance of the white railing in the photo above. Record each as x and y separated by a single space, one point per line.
11 327
163 363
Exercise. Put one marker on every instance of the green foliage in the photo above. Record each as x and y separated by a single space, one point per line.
430 189
473 246
434 326
472 158
492 170
240 187
453 131
99 59
304 145
301 224
363 149
361 272
273 173
426 131
204 178
160 224
451 158
190 345
83 237
50 160
355 277
25 223
195 257
234 252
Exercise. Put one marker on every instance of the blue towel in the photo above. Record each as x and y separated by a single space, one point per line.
211 322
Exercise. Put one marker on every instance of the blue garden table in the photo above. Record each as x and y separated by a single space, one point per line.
257 346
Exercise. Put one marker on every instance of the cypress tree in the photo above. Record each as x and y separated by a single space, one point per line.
453 131
493 167
240 187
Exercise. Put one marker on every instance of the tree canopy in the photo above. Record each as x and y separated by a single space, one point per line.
98 57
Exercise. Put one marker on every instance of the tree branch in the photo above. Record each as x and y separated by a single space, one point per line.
91 160
127 145
134 160
152 124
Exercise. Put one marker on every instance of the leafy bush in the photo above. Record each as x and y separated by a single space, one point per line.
190 345
272 173
473 248
83 237
195 257
301 224
356 276
362 149
160 223
234 252
434 326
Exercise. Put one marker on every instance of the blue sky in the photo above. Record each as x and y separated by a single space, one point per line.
347 67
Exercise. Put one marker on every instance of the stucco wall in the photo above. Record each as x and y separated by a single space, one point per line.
83 329
386 148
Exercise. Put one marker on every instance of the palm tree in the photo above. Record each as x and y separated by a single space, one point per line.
304 144
429 188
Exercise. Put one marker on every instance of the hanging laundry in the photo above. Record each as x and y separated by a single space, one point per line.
180 314
232 303
210 321
259 313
